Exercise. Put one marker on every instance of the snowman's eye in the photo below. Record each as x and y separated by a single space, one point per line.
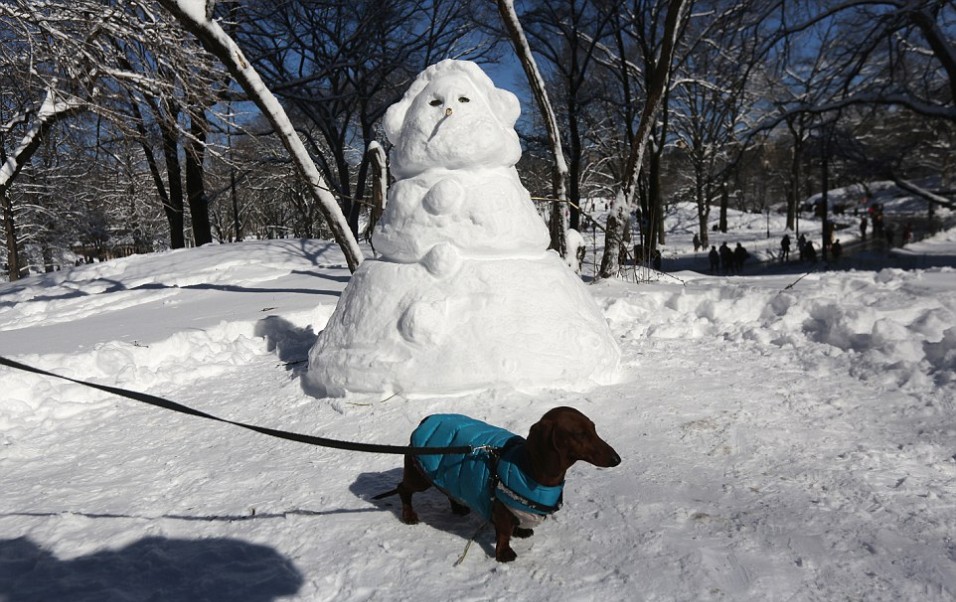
435 103
463 99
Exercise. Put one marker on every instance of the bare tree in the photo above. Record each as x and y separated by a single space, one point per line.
566 35
624 201
38 124
712 99
216 41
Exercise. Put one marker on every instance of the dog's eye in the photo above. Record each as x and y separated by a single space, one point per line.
435 103
463 99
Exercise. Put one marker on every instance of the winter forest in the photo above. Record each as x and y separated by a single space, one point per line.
134 126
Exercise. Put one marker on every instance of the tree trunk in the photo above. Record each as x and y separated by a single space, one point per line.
656 202
195 178
379 168
10 234
236 222
724 204
173 207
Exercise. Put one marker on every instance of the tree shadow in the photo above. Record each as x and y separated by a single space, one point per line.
153 568
432 507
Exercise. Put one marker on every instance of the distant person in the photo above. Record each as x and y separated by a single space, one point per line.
657 260
714 260
863 224
810 252
740 256
785 248
836 250
907 234
890 234
802 247
696 242
726 258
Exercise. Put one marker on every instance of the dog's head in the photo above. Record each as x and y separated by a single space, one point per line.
568 435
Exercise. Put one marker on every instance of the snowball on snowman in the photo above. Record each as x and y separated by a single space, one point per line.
454 153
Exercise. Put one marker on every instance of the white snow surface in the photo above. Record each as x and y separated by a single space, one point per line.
783 439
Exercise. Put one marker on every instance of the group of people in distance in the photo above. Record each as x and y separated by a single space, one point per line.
807 252
726 260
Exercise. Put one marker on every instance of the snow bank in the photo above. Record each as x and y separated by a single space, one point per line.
893 326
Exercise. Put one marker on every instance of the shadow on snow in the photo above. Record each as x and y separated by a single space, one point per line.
153 568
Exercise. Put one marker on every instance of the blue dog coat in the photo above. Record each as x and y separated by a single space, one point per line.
476 479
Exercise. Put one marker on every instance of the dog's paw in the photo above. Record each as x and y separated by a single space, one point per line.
523 533
409 518
459 509
505 555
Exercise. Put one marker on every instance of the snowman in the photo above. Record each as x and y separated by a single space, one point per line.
465 296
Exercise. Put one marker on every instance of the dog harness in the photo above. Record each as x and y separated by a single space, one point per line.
497 468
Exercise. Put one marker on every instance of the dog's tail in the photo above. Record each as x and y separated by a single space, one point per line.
382 496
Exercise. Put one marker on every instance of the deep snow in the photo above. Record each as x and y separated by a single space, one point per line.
784 438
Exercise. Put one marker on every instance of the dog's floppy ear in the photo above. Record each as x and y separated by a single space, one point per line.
540 434
545 438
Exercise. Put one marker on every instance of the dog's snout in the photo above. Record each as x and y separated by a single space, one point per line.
615 459
607 457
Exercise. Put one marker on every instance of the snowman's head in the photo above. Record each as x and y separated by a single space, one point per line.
453 117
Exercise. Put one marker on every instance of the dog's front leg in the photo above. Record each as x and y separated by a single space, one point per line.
505 523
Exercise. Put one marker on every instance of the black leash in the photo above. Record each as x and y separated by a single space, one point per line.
311 440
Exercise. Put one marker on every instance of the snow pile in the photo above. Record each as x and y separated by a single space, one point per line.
894 326
466 296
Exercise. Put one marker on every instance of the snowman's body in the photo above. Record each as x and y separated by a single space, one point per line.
466 295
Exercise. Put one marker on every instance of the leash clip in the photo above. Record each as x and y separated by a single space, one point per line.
490 449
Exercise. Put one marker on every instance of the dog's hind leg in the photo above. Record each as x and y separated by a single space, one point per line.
413 481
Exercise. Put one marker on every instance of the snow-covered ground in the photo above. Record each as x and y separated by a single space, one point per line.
783 438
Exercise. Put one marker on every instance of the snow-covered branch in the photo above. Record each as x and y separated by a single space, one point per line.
929 195
53 108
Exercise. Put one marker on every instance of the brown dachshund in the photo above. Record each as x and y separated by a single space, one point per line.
515 486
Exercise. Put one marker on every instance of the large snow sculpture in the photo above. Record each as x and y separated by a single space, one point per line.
466 295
